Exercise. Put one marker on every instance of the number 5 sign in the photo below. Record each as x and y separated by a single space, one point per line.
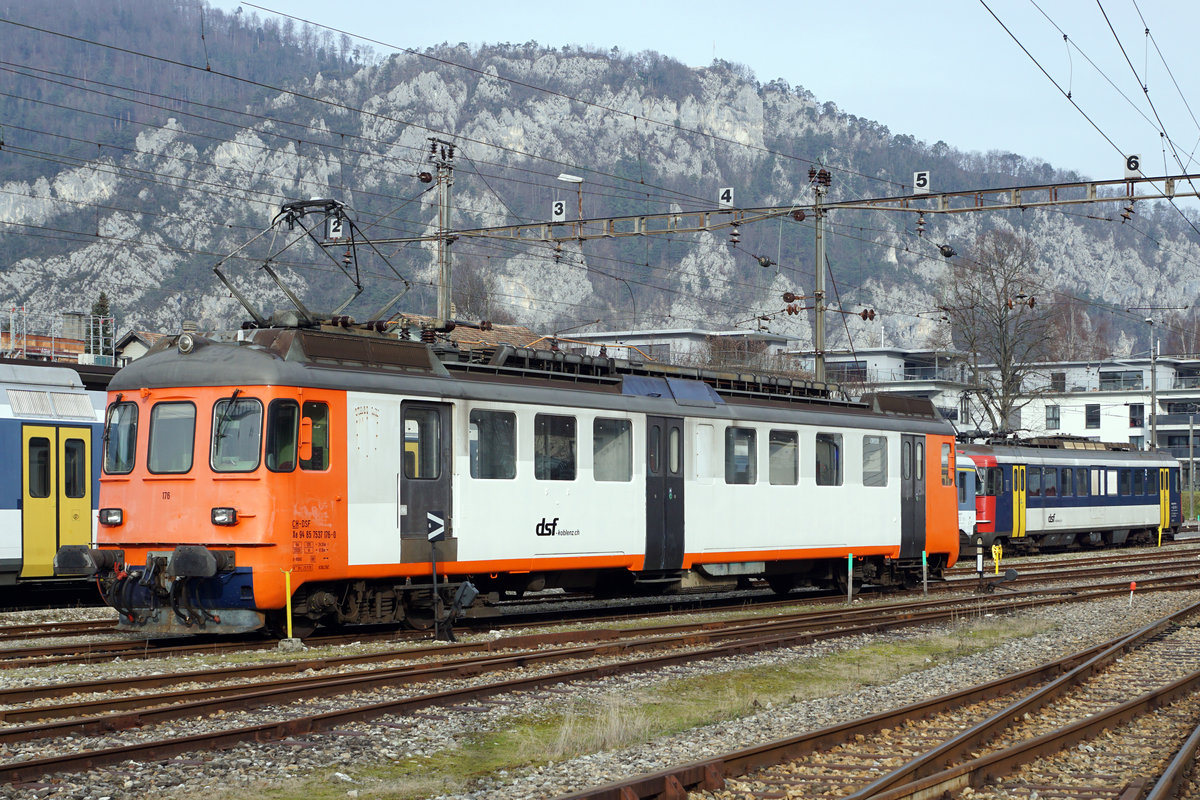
1133 167
921 182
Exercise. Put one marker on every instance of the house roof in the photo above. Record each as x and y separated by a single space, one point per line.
146 338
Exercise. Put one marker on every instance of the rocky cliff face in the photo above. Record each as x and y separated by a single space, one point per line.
146 224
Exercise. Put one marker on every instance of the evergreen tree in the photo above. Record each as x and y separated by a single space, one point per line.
101 327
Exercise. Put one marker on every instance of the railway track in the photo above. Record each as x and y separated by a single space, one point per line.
32 733
107 643
1137 697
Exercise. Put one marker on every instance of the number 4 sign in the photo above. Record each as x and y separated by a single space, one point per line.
725 197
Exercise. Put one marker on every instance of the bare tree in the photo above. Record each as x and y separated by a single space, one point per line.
475 295
1181 333
996 320
1076 335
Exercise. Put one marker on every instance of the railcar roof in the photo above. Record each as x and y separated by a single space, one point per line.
1049 455
365 361
27 376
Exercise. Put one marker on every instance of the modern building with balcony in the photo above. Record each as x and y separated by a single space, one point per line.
1114 400
936 375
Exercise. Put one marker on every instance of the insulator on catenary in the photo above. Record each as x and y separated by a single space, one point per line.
867 313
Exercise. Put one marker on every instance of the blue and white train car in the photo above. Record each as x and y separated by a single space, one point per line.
1062 492
50 432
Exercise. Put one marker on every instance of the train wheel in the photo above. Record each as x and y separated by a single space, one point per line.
840 581
781 584
419 617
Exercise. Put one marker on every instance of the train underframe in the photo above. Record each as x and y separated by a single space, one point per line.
197 590
781 576
1034 543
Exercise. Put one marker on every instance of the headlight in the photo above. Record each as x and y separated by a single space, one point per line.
112 516
224 516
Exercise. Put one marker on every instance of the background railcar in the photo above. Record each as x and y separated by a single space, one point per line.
349 462
1064 493
967 511
49 474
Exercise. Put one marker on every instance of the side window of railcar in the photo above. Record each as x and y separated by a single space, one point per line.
1081 482
553 447
1139 481
120 438
741 456
172 438
829 459
75 480
674 451
875 466
1050 482
784 458
237 434
947 467
319 414
39 467
995 483
283 431
1123 480
612 449
1066 482
1033 481
493 438
422 443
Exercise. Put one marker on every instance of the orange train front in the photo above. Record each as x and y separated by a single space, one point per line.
354 466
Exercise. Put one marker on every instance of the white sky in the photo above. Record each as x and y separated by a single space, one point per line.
935 69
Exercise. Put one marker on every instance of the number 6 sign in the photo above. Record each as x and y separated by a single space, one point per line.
1133 167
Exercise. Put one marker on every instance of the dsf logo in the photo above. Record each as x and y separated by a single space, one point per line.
547 528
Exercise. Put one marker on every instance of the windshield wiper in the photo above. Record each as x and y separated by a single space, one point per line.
226 413
112 410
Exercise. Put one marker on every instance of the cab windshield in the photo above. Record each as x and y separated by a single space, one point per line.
988 481
120 438
237 434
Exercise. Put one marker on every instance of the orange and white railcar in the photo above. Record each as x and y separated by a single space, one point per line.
354 469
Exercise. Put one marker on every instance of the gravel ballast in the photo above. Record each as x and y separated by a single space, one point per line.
343 762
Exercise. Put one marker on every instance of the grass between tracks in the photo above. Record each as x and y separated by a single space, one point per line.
573 727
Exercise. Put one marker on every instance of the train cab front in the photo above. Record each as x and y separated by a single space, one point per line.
193 472
190 589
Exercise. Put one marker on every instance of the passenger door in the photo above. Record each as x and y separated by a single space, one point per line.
664 494
425 481
56 494
1019 501
1164 501
912 496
